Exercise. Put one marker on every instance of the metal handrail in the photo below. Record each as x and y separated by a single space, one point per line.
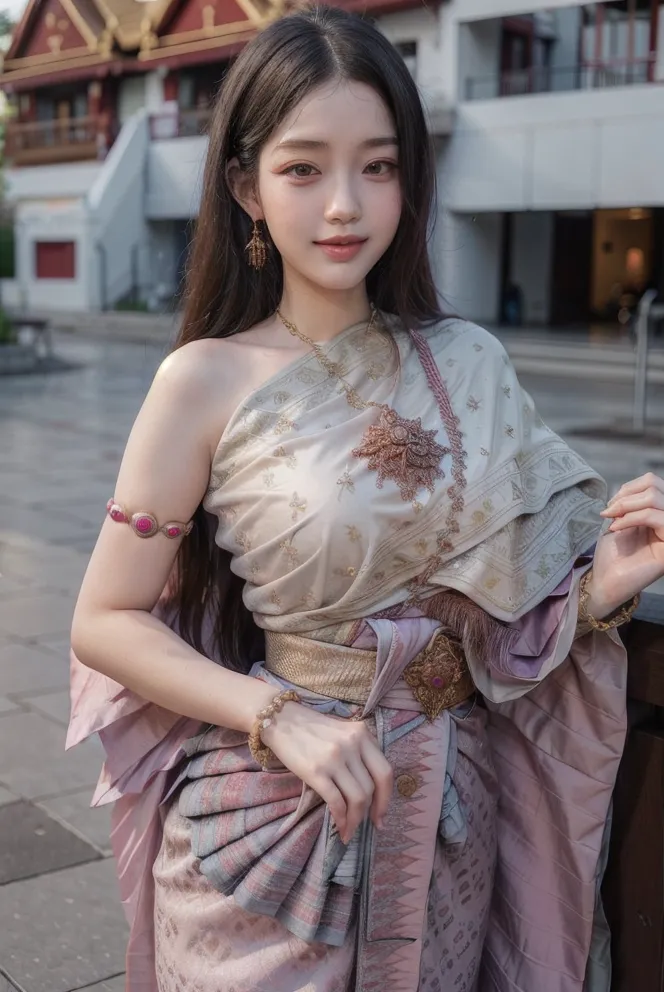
587 75
647 311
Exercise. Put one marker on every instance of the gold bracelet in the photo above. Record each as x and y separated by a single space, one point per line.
620 616
260 752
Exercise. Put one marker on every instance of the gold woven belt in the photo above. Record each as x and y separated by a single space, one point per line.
438 676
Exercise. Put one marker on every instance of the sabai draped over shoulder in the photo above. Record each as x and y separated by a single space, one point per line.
323 541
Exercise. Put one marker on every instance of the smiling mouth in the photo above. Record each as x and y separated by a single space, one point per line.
340 241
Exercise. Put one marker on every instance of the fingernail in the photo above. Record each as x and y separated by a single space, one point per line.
380 823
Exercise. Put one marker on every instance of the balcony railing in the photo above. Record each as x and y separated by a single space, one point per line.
69 140
178 123
561 79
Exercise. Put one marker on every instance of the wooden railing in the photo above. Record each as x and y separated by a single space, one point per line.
68 140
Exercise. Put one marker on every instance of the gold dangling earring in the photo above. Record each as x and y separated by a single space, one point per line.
257 248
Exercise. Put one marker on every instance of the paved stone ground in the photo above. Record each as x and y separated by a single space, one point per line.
61 439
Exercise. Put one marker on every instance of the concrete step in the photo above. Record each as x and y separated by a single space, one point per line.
591 353
118 325
575 369
530 352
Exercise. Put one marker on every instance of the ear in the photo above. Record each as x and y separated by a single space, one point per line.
243 188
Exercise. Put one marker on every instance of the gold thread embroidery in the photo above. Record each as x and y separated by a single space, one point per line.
297 505
291 552
308 601
345 482
280 452
376 370
354 534
243 540
275 599
284 425
348 572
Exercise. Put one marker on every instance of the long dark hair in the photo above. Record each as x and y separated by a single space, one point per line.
224 296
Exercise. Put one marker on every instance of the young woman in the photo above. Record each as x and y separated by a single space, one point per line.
366 738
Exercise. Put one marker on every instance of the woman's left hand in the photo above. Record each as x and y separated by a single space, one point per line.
630 555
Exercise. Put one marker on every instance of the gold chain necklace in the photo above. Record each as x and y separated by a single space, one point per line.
396 448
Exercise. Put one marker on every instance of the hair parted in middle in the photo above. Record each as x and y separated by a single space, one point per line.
224 295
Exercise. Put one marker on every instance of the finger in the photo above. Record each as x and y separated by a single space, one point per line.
650 497
356 799
335 802
650 517
638 485
363 777
383 777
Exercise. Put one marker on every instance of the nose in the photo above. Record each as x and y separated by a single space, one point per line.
343 202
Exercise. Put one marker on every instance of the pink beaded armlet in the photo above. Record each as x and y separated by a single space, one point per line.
144 524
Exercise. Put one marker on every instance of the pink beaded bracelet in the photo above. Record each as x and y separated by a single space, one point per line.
145 524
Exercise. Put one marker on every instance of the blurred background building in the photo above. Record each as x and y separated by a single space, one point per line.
547 118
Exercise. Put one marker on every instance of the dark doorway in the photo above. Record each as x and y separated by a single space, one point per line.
572 268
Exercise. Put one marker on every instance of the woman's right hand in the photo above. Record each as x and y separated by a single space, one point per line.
338 758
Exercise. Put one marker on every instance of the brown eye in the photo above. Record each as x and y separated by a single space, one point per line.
381 168
300 171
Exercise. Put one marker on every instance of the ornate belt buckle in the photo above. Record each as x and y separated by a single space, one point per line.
438 676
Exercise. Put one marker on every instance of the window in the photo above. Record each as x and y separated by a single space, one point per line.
408 52
618 31
55 259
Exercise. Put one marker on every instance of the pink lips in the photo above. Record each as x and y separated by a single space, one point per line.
341 249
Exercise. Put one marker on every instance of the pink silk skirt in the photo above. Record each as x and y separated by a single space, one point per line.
205 942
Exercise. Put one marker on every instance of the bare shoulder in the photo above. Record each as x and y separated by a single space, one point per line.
192 368
200 379
210 378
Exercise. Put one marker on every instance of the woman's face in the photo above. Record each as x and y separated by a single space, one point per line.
328 185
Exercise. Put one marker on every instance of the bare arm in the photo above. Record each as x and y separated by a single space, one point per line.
165 471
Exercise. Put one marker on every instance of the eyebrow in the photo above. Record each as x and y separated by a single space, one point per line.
314 145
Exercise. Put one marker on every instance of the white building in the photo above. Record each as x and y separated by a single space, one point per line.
552 180
548 119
